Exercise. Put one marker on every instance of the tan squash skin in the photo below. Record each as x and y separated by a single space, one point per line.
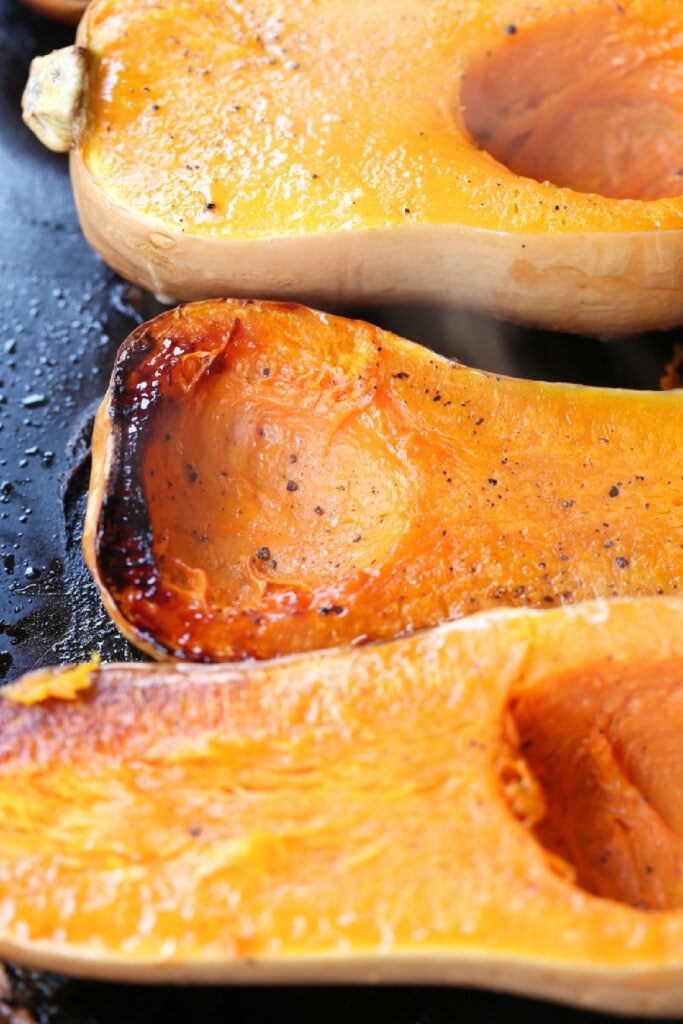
333 154
362 815
268 479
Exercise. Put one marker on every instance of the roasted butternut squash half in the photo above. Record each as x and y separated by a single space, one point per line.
268 479
495 802
518 159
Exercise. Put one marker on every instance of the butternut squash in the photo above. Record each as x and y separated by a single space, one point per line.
371 814
518 159
268 479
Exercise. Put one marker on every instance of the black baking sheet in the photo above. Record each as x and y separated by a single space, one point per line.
63 315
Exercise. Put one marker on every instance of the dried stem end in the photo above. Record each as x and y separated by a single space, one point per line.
53 97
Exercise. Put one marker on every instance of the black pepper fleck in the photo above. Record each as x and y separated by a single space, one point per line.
332 609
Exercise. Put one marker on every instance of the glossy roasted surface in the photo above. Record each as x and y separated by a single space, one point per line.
371 813
329 153
269 479
264 121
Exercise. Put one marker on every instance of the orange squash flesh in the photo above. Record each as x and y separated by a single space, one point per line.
523 160
593 103
362 815
624 838
316 76
268 479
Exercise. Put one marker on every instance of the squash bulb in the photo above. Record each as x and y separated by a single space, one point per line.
590 101
348 816
267 478
333 154
604 747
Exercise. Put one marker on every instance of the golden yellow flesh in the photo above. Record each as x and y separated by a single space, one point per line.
266 120
362 814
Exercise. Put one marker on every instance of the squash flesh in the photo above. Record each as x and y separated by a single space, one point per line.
591 102
324 153
605 748
325 816
269 479
304 105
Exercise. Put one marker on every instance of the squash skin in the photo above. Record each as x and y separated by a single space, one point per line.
340 816
255 163
268 479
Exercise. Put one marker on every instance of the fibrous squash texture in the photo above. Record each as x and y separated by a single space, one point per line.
500 792
267 478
